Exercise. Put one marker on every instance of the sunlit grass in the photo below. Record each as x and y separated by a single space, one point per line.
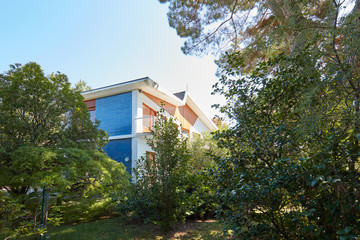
117 229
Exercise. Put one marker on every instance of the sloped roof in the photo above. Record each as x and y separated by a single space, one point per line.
148 85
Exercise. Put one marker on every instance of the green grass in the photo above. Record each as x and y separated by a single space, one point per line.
115 228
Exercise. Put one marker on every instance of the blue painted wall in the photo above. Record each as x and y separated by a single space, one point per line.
114 113
119 150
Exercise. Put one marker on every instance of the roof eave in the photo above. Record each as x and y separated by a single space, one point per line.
208 122
145 84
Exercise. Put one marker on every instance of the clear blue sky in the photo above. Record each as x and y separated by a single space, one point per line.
103 42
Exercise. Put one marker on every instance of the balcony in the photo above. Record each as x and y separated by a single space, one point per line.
145 124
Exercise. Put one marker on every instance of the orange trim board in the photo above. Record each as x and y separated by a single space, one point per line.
184 114
90 104
167 106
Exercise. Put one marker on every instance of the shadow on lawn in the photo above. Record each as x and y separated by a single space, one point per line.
116 229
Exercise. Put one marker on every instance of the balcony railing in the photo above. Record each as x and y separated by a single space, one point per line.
145 124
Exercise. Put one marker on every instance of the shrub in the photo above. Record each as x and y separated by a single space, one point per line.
159 193
14 220
292 169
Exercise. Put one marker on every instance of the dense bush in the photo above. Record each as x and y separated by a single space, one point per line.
14 220
201 182
159 193
92 180
292 170
177 184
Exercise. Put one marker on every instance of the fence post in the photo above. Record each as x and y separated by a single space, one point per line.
42 211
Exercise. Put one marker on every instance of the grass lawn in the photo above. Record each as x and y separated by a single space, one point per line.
114 228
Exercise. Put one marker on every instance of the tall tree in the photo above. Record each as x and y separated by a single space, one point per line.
43 111
159 193
47 138
259 29
82 86
290 73
291 172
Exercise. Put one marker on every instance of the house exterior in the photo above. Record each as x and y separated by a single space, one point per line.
127 113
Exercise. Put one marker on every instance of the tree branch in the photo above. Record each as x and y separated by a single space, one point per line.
194 16
227 20
335 50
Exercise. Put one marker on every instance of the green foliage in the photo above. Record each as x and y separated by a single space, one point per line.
90 182
260 30
82 86
47 138
159 193
179 183
292 170
14 221
201 183
39 110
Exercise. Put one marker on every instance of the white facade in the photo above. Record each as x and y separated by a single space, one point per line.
146 91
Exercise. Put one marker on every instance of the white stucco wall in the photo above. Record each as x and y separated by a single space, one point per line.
142 148
144 99
140 142
199 127
141 98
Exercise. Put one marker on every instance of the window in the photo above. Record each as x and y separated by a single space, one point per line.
92 116
185 132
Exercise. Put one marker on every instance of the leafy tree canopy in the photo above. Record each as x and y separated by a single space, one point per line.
290 74
43 111
47 137
82 86
292 170
261 29
161 178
